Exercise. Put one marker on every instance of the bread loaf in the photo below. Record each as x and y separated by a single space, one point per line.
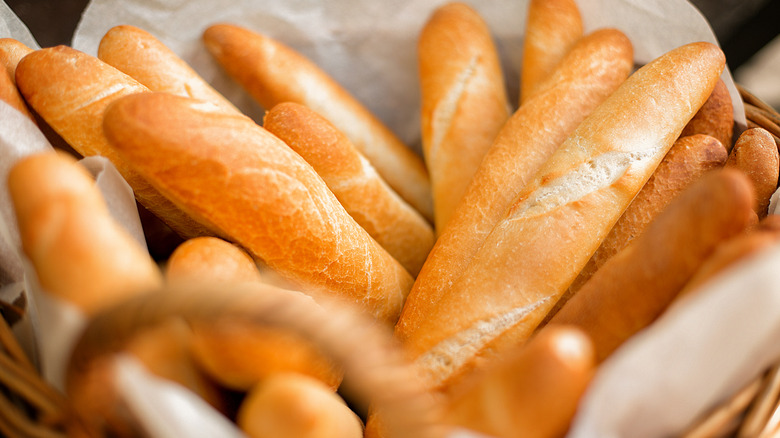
551 30
79 252
688 159
252 189
73 101
635 286
143 57
273 73
11 51
210 259
715 118
755 153
562 215
464 101
533 392
399 228
590 72
293 406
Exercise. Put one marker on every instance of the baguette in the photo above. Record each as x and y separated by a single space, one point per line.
210 259
715 118
292 406
79 253
755 153
399 228
735 250
273 73
464 101
533 392
688 159
141 56
252 189
590 72
11 51
551 30
559 219
635 286
73 101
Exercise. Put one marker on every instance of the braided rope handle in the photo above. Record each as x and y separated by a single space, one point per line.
375 370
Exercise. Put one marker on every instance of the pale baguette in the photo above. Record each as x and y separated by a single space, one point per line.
563 214
398 227
464 101
688 159
146 59
73 101
252 189
79 252
273 73
551 30
590 72
635 286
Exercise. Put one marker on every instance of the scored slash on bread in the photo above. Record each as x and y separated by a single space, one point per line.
563 214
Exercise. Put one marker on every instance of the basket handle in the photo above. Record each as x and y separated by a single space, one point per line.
376 372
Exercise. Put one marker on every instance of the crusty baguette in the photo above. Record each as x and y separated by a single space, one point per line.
73 101
533 392
210 259
251 188
398 227
755 153
273 73
146 59
293 406
551 30
464 101
715 117
729 253
561 216
11 51
688 159
634 287
79 252
590 72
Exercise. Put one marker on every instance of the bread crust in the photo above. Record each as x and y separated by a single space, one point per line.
273 73
463 100
755 153
11 52
251 189
715 118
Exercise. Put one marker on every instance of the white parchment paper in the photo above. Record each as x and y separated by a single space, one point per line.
370 47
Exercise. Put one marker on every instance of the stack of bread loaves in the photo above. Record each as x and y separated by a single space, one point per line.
509 261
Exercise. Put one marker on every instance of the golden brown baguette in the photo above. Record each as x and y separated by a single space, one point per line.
755 153
688 159
73 101
765 234
79 252
253 190
464 101
143 57
398 227
533 392
715 118
11 51
590 72
210 259
273 73
293 406
635 286
561 216
551 30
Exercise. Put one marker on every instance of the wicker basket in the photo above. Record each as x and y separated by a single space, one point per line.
375 371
